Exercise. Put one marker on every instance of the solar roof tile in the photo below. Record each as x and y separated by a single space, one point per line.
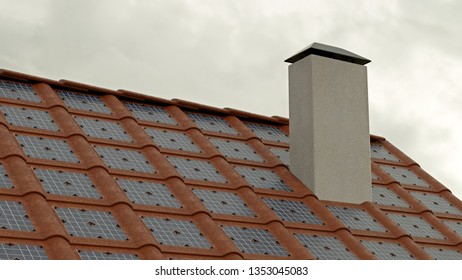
255 241
10 251
19 91
325 247
255 212
173 232
26 117
84 102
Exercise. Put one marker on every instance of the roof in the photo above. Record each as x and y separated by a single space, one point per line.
92 173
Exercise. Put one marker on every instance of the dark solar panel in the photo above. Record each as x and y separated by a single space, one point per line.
9 251
13 216
174 232
90 223
46 148
255 241
67 183
148 193
30 118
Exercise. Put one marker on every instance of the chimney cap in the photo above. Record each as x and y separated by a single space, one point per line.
328 51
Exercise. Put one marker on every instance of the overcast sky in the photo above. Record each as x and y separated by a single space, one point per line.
231 53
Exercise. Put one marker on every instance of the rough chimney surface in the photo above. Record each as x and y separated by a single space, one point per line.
329 124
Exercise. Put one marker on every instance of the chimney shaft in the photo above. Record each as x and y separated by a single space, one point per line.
329 123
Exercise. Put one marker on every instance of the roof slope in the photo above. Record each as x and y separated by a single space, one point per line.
90 173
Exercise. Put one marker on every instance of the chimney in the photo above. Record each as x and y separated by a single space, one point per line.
329 123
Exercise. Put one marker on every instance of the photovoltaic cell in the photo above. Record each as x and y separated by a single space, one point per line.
456 226
282 154
103 129
5 181
172 232
85 102
223 202
404 176
96 255
380 152
150 113
254 241
18 91
89 223
148 193
212 123
46 148
67 183
443 254
356 218
292 211
31 118
262 178
436 203
13 216
124 159
325 247
196 169
415 226
172 140
9 251
385 196
387 250
236 149
268 132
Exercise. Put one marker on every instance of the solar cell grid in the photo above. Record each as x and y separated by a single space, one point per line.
67 183
148 193
405 176
90 223
268 132
380 152
172 140
46 148
13 216
9 251
385 196
196 169
223 202
443 254
262 178
150 113
387 250
292 211
97 255
415 226
103 129
436 203
325 247
456 226
212 123
172 232
18 91
5 181
282 153
124 159
85 102
30 118
236 149
255 241
356 218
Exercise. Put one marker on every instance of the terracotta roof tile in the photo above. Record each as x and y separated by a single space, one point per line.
92 173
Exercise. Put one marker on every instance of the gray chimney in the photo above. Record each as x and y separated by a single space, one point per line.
329 123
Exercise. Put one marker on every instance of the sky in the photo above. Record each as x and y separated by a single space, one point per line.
231 53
